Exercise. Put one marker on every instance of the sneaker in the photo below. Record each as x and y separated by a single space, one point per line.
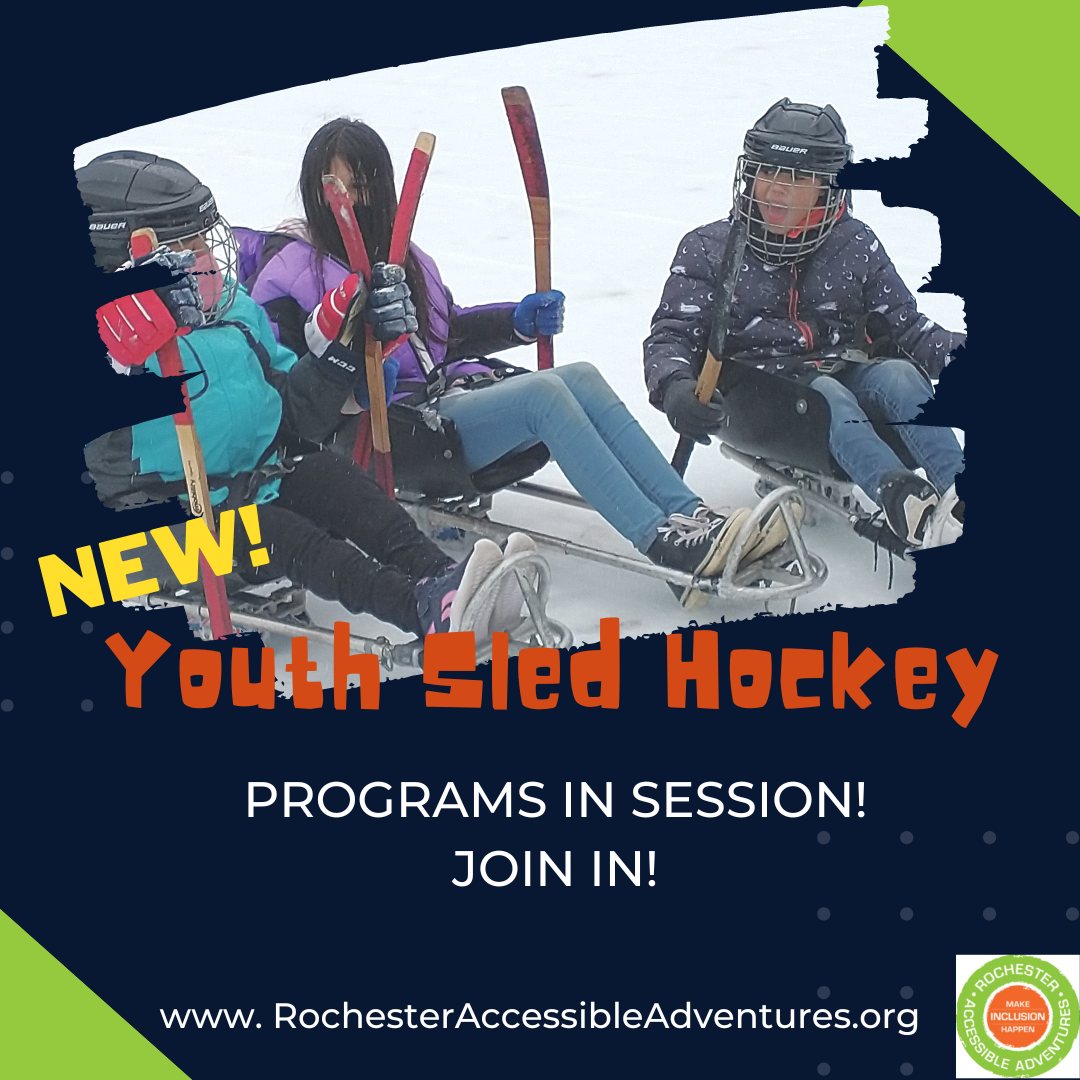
506 615
697 544
442 601
946 523
908 501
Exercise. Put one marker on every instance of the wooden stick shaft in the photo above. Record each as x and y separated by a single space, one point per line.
540 211
710 370
380 423
709 377
195 474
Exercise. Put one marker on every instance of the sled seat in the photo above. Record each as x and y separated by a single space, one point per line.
785 422
779 429
428 460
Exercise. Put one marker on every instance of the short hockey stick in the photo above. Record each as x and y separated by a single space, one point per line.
143 242
378 427
519 112
721 316
338 199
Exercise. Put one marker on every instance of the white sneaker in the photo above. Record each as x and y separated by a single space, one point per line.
485 557
506 615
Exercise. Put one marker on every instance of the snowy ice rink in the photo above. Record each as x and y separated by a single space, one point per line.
640 130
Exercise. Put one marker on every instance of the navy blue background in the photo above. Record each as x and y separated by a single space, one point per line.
127 851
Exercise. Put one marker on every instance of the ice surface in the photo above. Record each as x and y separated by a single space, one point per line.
640 130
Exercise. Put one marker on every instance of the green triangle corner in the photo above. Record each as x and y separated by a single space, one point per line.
1009 67
54 1027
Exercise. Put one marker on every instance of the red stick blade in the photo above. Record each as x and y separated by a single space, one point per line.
338 200
519 112
143 241
411 189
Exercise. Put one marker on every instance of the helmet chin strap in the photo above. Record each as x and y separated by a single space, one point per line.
814 218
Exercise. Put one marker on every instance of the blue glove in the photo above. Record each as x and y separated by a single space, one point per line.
540 313
390 373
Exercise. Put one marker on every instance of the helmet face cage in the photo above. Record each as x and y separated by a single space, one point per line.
804 236
220 241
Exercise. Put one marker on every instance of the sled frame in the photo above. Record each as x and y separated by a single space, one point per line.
284 611
823 492
784 574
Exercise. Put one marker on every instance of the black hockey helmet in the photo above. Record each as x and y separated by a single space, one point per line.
798 143
128 190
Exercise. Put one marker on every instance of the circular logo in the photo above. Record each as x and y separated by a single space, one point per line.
1016 1016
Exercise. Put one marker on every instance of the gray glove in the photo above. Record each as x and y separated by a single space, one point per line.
182 296
688 416
390 311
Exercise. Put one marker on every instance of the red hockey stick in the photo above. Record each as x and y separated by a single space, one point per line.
143 242
519 112
377 430
338 199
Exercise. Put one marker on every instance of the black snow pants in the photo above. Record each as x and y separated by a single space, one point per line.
326 501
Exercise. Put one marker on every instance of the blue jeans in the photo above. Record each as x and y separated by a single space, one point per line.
600 447
886 392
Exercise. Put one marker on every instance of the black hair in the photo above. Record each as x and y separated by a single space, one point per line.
361 148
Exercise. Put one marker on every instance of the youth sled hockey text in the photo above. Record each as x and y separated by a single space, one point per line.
539 674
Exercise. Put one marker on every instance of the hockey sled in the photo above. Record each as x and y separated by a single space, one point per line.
435 487
279 607
784 574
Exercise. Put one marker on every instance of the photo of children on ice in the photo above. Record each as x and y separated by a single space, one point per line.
426 460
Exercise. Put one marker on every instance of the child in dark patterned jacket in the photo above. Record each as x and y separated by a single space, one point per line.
818 301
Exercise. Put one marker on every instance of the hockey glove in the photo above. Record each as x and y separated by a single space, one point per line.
688 416
390 311
133 328
182 297
344 365
346 368
540 313
341 365
335 312
330 314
